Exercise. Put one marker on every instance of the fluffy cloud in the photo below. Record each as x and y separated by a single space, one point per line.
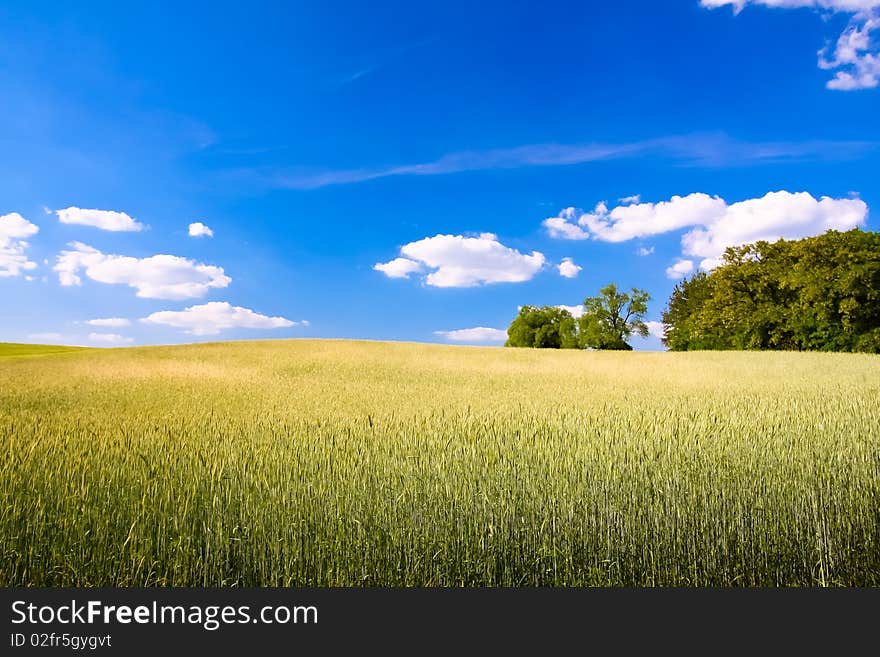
14 231
657 329
109 322
853 53
157 277
198 229
680 269
211 318
626 222
715 225
645 252
478 334
855 58
627 200
459 261
562 228
568 269
103 219
576 311
398 268
109 338
777 215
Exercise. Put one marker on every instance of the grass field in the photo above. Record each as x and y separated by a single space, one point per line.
355 463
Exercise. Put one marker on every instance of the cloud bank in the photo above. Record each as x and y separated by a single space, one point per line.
715 224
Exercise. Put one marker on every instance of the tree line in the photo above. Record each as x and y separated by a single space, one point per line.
814 294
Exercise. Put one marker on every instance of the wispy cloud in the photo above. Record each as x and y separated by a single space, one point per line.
704 149
380 59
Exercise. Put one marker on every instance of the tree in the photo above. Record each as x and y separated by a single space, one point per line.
613 317
546 327
817 293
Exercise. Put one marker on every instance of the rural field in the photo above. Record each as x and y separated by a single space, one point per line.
341 463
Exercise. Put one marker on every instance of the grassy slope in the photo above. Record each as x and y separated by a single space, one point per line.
13 350
335 462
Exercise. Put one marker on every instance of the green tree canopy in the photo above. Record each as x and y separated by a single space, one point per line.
818 293
611 318
546 327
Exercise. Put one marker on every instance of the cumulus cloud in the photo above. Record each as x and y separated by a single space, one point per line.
478 334
627 200
568 269
109 338
211 318
715 225
626 222
103 219
156 277
645 251
657 329
576 311
198 229
855 57
561 226
777 215
109 322
14 231
679 269
398 268
458 261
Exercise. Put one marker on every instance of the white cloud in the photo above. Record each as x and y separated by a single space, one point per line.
560 227
626 222
398 268
645 252
103 219
628 200
478 334
657 329
680 269
836 5
157 277
211 318
14 231
459 261
855 57
198 229
715 225
109 338
853 53
109 322
568 269
576 311
777 215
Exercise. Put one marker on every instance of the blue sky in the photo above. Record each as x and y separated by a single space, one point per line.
403 171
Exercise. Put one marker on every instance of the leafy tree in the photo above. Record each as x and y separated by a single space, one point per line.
546 327
818 293
611 318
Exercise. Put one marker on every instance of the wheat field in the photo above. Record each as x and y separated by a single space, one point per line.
342 463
